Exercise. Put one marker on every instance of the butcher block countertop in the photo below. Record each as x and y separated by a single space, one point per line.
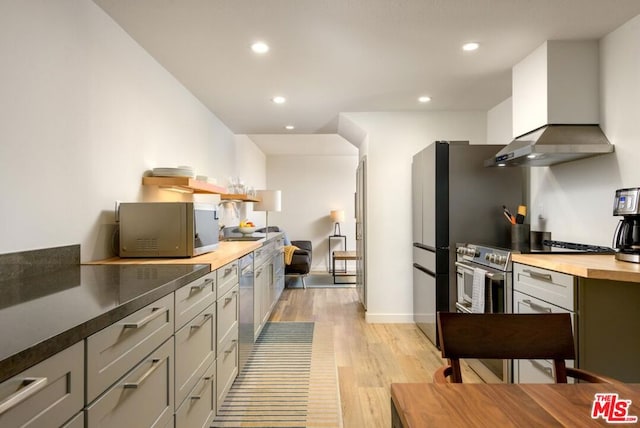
227 252
591 266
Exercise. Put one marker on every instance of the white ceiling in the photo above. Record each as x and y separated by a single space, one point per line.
332 56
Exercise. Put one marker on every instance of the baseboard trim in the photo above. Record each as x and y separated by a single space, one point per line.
388 318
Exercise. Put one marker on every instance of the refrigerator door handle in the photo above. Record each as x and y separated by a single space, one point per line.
425 270
424 247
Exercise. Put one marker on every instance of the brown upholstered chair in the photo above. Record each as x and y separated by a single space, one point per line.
509 336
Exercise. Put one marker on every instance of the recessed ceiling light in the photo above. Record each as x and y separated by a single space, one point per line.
279 100
502 164
424 99
471 46
260 47
531 156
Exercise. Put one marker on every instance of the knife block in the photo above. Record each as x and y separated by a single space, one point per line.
520 237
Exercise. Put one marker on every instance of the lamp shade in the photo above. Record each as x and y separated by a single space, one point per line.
337 215
270 200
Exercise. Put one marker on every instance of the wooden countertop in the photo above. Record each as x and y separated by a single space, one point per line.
508 405
592 266
228 251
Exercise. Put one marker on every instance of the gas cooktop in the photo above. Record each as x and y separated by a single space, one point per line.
562 247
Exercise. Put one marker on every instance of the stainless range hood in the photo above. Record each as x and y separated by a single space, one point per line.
553 144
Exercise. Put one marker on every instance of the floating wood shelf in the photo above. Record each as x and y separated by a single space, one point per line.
185 184
239 197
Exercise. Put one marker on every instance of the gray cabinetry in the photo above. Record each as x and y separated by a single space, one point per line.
194 298
143 398
199 407
228 307
268 282
539 290
114 350
195 351
605 321
47 394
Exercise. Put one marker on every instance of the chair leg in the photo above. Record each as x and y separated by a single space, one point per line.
303 284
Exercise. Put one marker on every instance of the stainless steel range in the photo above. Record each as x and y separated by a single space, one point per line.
484 284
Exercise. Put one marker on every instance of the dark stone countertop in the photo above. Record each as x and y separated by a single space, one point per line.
45 312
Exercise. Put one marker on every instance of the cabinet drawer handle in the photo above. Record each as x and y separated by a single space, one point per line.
228 270
206 381
30 386
155 313
258 272
207 317
202 286
546 370
538 275
155 363
228 300
234 343
535 306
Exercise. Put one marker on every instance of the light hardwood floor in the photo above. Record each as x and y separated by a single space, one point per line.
369 356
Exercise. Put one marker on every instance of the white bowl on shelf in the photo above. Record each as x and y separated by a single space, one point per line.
246 230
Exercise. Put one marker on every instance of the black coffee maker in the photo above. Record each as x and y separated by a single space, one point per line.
626 239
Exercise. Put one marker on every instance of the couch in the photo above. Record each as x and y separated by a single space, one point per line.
301 262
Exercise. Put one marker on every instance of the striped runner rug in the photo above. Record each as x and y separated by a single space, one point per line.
289 380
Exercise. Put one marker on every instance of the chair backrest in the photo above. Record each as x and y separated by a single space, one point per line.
506 336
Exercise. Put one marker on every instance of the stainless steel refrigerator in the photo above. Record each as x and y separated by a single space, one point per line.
455 199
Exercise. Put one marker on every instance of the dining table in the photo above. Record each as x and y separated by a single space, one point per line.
416 405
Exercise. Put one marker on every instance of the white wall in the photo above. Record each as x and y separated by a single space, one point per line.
312 186
500 123
392 140
577 198
84 112
251 167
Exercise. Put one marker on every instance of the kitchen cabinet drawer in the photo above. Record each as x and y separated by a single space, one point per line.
262 254
143 398
112 351
47 394
525 304
195 351
194 297
553 287
227 368
536 371
227 277
228 317
199 408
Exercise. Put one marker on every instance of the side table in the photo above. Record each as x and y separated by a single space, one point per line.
342 255
340 238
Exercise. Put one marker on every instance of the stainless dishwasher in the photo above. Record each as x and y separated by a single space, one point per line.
245 333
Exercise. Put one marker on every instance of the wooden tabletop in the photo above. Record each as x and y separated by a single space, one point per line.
595 266
505 405
227 252
344 255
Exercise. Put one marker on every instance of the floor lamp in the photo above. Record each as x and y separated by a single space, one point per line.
270 200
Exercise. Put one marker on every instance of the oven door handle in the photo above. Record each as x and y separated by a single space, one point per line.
494 276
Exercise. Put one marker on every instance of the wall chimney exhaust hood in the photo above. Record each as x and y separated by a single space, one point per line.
553 144
555 98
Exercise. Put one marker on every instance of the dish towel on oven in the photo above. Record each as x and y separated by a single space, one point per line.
477 294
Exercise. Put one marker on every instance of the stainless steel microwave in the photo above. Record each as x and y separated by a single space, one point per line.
167 229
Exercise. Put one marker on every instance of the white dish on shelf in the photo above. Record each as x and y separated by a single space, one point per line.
173 172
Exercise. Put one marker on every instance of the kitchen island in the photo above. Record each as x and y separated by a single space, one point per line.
602 295
592 266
